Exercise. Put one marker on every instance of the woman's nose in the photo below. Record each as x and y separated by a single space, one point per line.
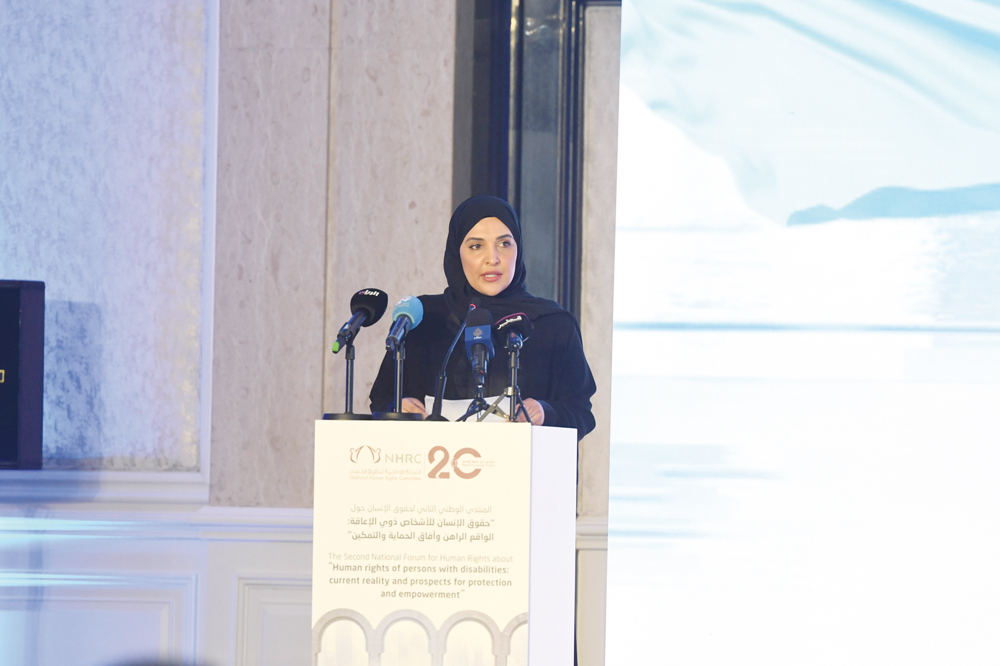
493 257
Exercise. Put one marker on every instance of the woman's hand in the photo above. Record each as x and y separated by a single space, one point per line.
535 412
413 406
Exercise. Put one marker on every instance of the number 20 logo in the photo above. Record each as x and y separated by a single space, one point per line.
436 472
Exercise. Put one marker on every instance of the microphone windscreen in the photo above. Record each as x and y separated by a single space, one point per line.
479 317
411 307
513 323
373 302
478 332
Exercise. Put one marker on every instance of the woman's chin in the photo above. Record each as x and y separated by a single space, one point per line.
490 288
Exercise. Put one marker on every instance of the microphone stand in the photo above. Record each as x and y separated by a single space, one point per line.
399 355
348 414
397 413
516 404
478 404
513 391
349 389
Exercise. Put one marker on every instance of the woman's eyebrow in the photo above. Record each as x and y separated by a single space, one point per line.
481 240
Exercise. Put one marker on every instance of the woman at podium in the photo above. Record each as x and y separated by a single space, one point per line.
483 260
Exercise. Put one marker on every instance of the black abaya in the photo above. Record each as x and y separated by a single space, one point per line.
553 369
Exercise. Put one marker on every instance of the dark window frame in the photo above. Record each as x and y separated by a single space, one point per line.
489 154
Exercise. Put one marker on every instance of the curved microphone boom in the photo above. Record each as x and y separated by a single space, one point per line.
367 307
406 316
442 377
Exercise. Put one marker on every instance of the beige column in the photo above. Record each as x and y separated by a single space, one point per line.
270 250
335 131
390 156
602 44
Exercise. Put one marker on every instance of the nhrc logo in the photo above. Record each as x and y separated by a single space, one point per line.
467 463
366 454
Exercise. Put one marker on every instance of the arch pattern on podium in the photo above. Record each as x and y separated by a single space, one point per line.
437 638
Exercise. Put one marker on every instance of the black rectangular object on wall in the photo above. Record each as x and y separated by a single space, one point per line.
22 331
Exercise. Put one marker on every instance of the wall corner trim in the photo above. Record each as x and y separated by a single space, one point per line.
591 532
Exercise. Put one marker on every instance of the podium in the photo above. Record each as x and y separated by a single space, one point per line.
440 543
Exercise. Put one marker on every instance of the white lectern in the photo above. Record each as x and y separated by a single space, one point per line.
443 538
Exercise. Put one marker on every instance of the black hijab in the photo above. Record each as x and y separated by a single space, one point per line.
459 293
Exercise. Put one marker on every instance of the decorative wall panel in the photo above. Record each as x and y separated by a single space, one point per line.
58 618
207 586
273 622
104 154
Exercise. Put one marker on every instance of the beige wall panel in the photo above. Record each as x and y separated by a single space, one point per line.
270 24
591 602
603 39
270 256
391 167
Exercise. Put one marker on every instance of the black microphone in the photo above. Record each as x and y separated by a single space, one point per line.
367 307
479 342
442 378
511 331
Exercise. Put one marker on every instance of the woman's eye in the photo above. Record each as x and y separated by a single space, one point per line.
475 246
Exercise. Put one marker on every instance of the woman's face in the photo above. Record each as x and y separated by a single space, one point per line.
489 255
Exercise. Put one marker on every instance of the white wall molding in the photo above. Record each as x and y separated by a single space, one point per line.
201 524
152 603
233 584
178 583
254 523
591 533
263 603
48 487
206 312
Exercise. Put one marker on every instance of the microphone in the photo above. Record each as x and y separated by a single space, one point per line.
367 307
511 331
406 316
442 378
479 342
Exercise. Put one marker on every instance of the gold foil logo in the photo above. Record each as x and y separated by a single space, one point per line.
2 372
436 473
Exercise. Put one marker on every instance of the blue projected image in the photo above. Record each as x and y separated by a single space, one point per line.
907 202
806 362
819 104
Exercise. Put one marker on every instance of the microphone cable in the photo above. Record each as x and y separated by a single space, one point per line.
442 379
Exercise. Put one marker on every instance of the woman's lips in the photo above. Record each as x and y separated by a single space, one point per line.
491 277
